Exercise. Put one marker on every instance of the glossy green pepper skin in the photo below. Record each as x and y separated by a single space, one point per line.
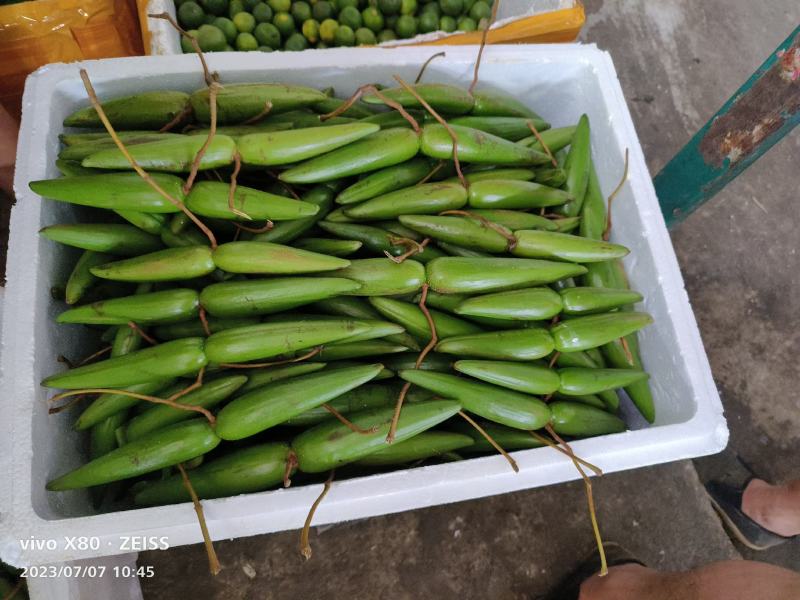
582 420
81 278
476 146
210 199
108 405
172 155
563 246
331 444
588 300
413 320
172 264
468 232
443 98
155 307
147 110
386 180
514 194
428 444
272 259
238 102
112 238
284 232
488 102
510 344
582 333
531 304
428 198
576 381
508 128
382 277
526 378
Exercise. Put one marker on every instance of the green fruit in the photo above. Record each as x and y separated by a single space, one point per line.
210 38
390 7
301 11
391 22
428 22
264 49
322 10
262 12
342 4
245 22
447 24
249 5
345 36
432 8
466 24
186 45
408 7
284 22
216 7
480 10
296 43
373 19
452 8
311 31
246 42
321 45
280 5
208 19
190 15
365 37
406 26
268 35
227 27
327 31
235 7
350 17
387 35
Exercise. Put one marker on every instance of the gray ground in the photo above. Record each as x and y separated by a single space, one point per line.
678 61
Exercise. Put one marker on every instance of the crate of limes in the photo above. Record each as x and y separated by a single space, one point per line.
268 25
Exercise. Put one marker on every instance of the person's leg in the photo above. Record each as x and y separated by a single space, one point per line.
774 507
728 580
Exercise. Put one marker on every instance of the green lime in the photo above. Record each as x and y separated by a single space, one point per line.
467 6
345 36
431 7
391 21
245 22
208 19
447 24
342 4
408 7
264 49
210 38
327 30
466 24
262 12
390 7
285 23
321 45
246 41
350 16
186 44
406 27
215 7
190 15
235 7
296 43
428 22
322 10
227 27
387 35
301 11
373 19
280 5
311 30
480 10
365 37
249 5
452 8
268 35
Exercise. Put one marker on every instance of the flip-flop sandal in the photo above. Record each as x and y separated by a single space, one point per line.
727 501
570 586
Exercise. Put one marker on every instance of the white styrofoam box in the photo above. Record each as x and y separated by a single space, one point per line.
560 81
165 39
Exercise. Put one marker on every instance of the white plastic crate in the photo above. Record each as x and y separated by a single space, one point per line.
560 81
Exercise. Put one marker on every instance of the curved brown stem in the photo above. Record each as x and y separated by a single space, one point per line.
213 561
291 464
265 228
201 313
387 101
490 439
512 241
536 134
484 37
607 231
431 173
347 423
177 119
260 116
627 349
413 246
305 546
553 360
140 332
207 75
213 88
308 355
97 354
425 65
237 165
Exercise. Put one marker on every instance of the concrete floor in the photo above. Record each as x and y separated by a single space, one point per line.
678 60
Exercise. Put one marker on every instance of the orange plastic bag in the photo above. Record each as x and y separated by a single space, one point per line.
36 33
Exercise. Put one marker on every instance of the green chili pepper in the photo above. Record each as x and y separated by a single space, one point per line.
160 415
237 131
210 199
514 219
455 250
443 98
171 359
340 248
152 223
156 307
497 404
508 128
427 444
576 381
75 139
81 278
408 360
73 168
273 259
194 328
80 151
374 238
259 377
587 300
238 102
496 103
331 444
526 378
357 110
580 358
577 167
386 180
555 177
506 437
348 350
511 344
582 420
454 275
150 453
449 303
587 399
555 139
534 243
530 304
243 471
413 320
184 239
103 436
285 147
428 198
383 149
514 194
125 341
109 404
286 231
476 146
567 224
510 173
382 277
581 333
593 210
173 155
455 230
147 110
164 265
271 405
114 191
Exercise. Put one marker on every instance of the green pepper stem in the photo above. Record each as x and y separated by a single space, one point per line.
305 546
213 561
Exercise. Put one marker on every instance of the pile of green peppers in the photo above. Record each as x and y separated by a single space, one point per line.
532 309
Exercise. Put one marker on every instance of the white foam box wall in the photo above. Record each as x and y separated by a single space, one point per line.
165 39
559 81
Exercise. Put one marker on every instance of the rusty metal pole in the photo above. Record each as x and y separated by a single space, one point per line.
760 113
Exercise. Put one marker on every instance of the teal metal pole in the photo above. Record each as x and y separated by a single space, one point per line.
760 113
